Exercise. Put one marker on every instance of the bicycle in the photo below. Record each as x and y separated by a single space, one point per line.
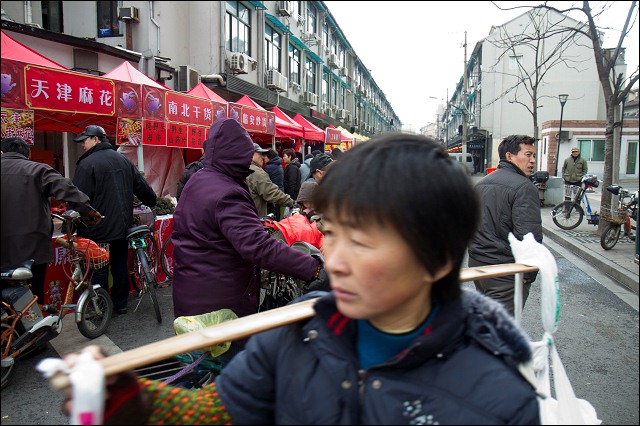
569 214
277 290
143 263
94 308
620 217
166 258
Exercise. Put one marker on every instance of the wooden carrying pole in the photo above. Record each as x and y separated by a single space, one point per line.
246 326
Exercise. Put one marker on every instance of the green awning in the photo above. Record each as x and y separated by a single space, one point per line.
258 5
300 45
276 23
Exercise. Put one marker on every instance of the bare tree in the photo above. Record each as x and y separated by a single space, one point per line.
615 85
546 37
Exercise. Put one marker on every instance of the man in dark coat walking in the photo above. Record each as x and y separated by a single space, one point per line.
274 169
27 187
292 173
110 180
509 203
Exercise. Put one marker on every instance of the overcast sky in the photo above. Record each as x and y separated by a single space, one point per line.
414 49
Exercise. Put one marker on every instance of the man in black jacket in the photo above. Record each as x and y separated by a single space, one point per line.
509 203
110 180
26 210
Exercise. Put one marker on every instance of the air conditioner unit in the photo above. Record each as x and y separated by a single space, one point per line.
344 72
128 13
239 63
333 61
284 8
188 78
566 135
326 109
310 98
276 80
341 114
301 20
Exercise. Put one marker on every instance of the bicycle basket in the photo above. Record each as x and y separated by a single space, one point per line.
143 215
97 254
614 216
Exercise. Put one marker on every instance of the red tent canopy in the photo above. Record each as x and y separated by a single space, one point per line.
202 91
311 131
284 129
126 72
16 51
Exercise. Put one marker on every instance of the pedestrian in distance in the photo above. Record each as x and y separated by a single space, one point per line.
509 202
273 167
336 153
319 165
189 170
110 180
573 169
263 190
292 174
218 239
397 340
27 228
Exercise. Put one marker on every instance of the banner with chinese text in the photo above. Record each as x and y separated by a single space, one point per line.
129 132
68 91
154 133
252 119
333 136
17 123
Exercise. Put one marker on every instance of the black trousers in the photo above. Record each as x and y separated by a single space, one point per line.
118 252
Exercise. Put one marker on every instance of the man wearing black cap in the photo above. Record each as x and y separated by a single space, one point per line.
319 165
262 190
110 180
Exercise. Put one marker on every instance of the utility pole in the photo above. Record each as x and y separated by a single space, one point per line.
464 104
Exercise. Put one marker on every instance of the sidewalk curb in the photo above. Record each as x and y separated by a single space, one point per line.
622 276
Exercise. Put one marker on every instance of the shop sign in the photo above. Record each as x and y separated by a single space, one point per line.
333 136
189 109
66 91
177 135
197 136
154 132
153 104
17 123
129 132
252 119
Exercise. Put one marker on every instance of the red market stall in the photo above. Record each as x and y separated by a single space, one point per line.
314 136
294 131
338 137
260 123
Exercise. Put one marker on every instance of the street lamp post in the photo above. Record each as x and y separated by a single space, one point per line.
563 100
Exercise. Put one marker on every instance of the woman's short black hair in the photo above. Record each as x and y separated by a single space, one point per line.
410 183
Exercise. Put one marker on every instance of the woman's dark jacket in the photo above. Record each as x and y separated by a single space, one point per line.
275 172
217 236
292 179
111 180
462 370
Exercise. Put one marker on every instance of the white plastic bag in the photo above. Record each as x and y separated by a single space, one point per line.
565 408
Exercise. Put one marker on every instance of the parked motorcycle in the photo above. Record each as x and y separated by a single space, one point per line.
619 219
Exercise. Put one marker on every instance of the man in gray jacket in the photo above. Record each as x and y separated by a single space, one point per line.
509 203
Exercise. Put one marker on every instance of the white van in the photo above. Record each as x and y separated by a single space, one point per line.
468 163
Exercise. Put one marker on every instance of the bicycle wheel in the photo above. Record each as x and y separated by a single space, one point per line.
93 324
610 236
7 334
148 281
166 258
567 215
135 272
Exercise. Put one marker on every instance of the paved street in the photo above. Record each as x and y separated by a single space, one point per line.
597 337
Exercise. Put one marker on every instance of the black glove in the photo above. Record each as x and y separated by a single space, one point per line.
321 283
92 218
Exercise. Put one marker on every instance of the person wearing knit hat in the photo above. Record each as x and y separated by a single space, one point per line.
318 166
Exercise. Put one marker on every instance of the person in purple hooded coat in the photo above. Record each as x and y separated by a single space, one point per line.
218 239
